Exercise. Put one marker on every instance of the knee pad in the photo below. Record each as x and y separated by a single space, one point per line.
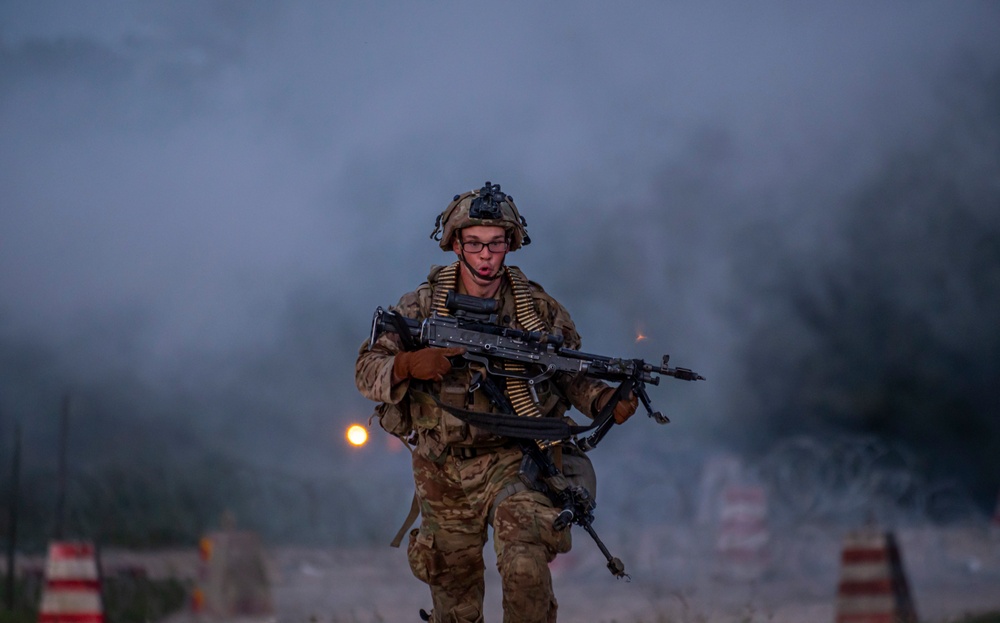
527 584
524 564
465 613
527 518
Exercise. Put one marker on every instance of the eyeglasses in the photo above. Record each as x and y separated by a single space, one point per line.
475 246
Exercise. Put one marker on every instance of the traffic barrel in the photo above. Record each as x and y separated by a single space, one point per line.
232 576
742 541
72 590
873 586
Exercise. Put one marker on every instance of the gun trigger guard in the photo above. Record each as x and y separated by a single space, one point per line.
485 362
547 373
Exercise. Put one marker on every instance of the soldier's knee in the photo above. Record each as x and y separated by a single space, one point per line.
527 584
523 565
523 518
465 613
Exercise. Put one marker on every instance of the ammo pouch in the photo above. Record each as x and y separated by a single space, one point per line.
576 467
394 419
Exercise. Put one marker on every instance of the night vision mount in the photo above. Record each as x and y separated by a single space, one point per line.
487 204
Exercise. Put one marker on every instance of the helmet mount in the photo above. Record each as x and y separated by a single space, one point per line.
487 206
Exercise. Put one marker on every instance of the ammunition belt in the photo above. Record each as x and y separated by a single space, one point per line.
527 317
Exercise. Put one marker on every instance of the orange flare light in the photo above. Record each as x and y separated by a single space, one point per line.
357 435
640 333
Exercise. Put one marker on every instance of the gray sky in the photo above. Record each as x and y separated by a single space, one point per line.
182 175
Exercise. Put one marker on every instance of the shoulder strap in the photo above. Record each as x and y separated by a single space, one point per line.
527 316
410 518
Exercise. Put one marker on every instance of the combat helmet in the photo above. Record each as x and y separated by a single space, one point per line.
486 206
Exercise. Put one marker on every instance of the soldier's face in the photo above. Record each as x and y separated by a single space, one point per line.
485 263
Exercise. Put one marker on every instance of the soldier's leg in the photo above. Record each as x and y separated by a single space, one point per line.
446 552
525 543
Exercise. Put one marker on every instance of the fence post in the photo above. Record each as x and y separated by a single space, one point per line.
12 533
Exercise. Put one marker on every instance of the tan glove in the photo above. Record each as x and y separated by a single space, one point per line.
623 410
426 364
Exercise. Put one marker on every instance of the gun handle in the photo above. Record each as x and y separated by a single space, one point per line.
377 320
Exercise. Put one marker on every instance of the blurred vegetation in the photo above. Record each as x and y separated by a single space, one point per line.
887 332
148 505
136 599
157 463
888 327
25 602
127 598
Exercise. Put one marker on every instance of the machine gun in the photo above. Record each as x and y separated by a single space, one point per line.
473 326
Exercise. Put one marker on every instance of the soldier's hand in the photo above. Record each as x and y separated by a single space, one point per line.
623 410
426 364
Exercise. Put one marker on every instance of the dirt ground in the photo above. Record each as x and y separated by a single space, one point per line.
677 576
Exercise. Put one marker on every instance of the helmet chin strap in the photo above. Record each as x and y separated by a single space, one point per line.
476 274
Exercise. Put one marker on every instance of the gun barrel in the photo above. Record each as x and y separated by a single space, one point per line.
686 374
538 347
683 374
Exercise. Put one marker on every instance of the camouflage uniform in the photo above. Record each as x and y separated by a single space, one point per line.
467 479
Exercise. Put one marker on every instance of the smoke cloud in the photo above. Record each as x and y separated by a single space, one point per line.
203 202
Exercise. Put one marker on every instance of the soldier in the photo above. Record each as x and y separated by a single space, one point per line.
466 478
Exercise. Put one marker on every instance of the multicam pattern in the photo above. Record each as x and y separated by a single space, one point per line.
456 500
459 497
456 217
437 429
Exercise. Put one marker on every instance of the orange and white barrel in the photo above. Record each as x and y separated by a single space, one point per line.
742 540
232 577
873 586
72 591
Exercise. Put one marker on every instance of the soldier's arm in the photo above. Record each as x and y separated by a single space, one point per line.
373 371
373 368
